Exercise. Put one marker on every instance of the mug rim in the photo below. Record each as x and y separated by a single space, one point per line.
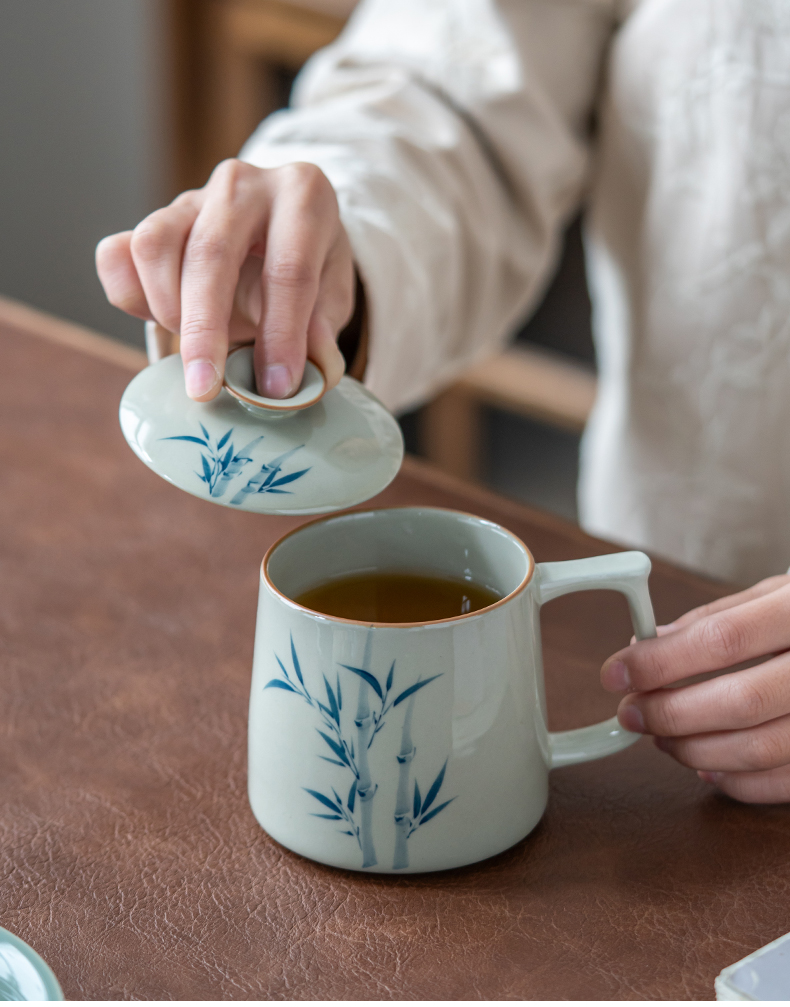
522 586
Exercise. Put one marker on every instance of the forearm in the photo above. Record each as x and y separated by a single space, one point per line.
453 179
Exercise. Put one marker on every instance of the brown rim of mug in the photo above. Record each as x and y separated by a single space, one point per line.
395 625
258 400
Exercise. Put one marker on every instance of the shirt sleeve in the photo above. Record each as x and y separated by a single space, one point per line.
456 134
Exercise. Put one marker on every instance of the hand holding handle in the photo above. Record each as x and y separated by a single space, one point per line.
626 572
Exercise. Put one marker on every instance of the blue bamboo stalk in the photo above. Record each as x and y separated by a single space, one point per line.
402 806
366 790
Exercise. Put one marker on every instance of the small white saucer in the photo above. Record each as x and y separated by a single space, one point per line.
326 454
24 975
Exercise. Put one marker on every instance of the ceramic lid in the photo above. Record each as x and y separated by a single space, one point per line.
311 454
24 975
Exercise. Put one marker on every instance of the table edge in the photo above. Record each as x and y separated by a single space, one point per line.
33 322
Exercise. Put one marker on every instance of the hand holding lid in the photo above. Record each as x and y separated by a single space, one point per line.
314 452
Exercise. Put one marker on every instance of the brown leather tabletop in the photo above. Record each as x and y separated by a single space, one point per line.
129 857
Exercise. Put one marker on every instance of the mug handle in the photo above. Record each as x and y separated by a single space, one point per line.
627 573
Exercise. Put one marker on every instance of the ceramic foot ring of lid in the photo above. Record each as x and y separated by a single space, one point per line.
313 453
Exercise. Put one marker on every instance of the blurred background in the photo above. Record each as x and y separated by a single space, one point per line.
109 109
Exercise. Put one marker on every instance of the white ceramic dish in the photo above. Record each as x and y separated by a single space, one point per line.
324 455
24 975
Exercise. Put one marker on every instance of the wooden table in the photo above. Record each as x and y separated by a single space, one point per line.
129 856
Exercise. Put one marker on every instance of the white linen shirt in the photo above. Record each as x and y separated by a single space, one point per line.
460 136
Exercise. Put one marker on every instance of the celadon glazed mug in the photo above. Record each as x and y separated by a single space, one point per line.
423 746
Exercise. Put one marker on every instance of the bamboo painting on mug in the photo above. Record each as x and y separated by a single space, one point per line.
346 744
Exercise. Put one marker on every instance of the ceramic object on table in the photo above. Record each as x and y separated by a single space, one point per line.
414 747
313 453
24 975
763 975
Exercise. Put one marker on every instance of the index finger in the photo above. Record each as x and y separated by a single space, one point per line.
215 250
712 643
303 221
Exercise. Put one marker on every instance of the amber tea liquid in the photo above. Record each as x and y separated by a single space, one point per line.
397 597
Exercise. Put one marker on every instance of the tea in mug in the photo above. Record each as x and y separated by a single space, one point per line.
384 596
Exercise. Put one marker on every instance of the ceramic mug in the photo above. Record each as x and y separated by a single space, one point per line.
423 746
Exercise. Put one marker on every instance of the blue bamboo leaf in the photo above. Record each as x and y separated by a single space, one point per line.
352 748
226 460
283 667
277 683
324 800
346 833
372 682
335 711
245 452
205 432
296 662
417 800
201 478
435 812
436 786
334 762
268 481
206 467
281 492
290 478
337 749
339 694
324 709
338 798
413 688
221 443
277 462
332 818
390 676
187 437
352 797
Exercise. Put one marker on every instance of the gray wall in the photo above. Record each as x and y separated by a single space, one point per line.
82 150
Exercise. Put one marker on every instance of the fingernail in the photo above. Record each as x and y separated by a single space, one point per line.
200 376
631 718
663 743
615 677
707 776
277 381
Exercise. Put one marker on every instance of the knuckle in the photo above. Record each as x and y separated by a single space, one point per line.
648 665
309 181
232 178
149 240
199 336
752 698
123 299
206 248
229 171
765 750
667 718
291 271
107 247
185 198
725 637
